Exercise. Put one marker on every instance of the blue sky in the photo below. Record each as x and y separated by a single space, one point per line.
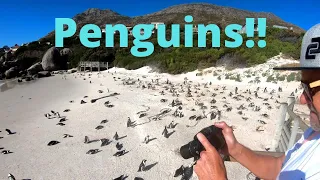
28 20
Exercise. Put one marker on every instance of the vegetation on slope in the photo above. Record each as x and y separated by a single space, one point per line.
174 60
179 60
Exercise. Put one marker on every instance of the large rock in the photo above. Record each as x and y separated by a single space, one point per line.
65 51
70 71
8 56
65 54
34 69
44 74
10 64
2 59
11 73
51 60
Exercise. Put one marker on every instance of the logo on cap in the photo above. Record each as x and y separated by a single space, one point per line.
313 49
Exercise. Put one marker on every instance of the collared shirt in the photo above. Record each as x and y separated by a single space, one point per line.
303 159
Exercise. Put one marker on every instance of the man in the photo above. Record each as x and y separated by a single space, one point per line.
300 162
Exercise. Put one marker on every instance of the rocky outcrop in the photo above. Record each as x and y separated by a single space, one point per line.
9 64
8 56
2 60
28 63
11 73
70 71
44 74
50 60
34 69
201 12
66 52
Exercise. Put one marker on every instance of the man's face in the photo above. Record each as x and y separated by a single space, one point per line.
309 76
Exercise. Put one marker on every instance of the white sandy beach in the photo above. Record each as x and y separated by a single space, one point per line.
23 107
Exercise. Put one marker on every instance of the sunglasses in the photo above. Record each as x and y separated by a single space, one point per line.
310 89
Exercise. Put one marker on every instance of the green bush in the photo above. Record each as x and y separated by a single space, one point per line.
271 79
257 80
291 77
238 78
281 78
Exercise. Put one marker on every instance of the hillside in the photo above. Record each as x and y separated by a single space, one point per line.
169 60
209 14
202 13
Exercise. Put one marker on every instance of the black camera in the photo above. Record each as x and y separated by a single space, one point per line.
193 148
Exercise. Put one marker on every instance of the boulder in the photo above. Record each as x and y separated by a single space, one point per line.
44 74
28 78
1 64
11 73
51 60
65 51
70 71
2 59
34 69
10 64
8 56
22 73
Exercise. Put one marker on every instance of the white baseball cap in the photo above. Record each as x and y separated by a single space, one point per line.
310 51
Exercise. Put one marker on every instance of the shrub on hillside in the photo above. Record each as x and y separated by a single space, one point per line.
291 77
271 79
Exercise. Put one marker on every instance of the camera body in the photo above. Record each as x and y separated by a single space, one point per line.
193 148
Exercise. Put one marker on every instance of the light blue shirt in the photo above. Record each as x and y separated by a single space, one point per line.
302 160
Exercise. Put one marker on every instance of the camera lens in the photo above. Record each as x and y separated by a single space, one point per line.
184 151
192 149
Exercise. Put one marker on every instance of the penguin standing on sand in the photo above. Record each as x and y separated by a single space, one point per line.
119 146
213 115
171 125
219 114
116 136
11 177
122 177
142 165
58 115
146 139
165 132
129 123
86 139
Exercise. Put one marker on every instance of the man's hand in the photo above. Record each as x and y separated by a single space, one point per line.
210 165
232 147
